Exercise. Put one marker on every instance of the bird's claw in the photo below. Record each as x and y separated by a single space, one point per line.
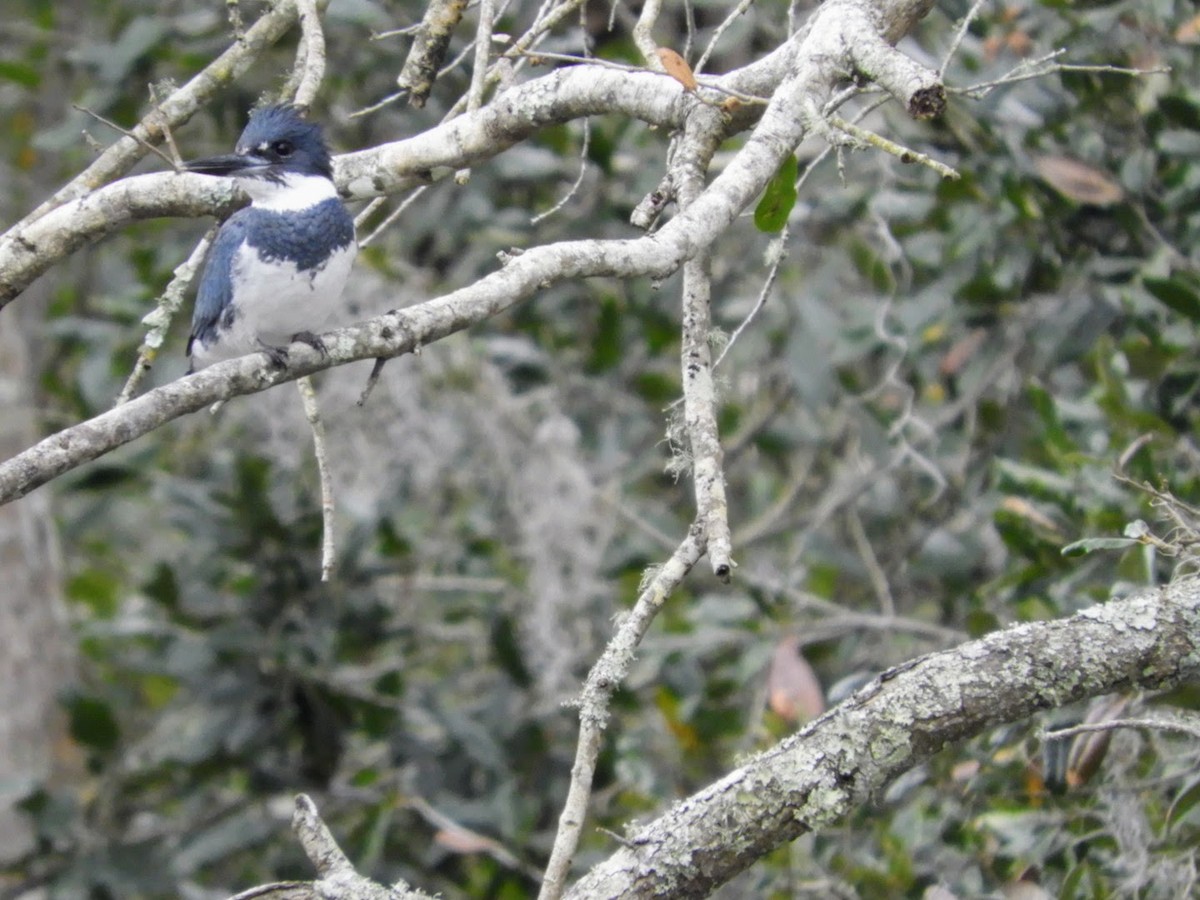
313 340
277 355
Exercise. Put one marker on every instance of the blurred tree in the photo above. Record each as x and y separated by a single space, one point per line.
36 663
906 392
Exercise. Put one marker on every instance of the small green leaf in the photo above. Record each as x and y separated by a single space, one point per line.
98 589
1183 803
92 722
24 75
1087 545
1175 293
777 201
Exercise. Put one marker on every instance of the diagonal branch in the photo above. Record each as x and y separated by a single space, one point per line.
602 682
177 108
819 58
389 335
906 715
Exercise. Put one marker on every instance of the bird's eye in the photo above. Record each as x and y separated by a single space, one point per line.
282 148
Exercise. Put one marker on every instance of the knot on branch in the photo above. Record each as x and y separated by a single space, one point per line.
928 102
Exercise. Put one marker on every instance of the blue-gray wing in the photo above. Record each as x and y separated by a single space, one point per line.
215 295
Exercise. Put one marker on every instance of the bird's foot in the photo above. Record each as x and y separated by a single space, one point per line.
313 340
277 355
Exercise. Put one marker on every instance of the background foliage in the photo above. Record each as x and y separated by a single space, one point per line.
926 410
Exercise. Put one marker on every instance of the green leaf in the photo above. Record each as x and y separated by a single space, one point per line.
1174 293
1183 803
777 201
92 722
1087 545
24 75
100 590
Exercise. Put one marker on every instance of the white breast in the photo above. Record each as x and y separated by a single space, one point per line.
285 301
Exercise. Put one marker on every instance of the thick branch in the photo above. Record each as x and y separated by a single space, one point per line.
176 109
389 335
838 762
26 251
822 57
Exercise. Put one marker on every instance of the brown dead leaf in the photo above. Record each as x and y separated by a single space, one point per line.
464 840
1078 181
962 352
793 691
1019 43
1189 31
677 67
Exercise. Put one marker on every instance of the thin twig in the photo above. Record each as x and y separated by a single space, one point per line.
733 16
310 55
174 164
689 15
372 380
367 211
642 36
1157 723
902 153
165 124
870 561
375 107
312 412
959 34
158 320
583 161
778 252
1045 65
603 680
488 845
406 31
393 215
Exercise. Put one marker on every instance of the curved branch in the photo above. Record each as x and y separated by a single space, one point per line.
783 125
28 250
389 335
177 108
822 57
906 715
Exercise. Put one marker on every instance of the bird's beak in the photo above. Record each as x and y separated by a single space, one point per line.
230 165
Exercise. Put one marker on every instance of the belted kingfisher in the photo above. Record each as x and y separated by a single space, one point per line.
277 268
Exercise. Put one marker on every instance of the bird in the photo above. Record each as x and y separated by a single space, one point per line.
277 268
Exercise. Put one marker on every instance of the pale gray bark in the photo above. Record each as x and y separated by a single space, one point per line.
840 761
33 628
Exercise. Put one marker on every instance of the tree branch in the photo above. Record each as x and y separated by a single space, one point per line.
177 108
657 255
822 58
602 682
906 715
